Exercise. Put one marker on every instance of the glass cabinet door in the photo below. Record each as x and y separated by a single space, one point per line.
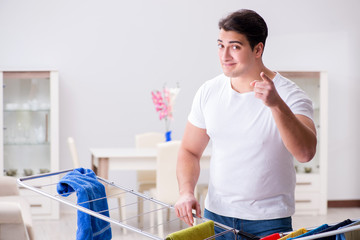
26 123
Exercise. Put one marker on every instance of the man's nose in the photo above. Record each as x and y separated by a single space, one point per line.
226 55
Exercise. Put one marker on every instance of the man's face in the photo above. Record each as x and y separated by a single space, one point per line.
235 53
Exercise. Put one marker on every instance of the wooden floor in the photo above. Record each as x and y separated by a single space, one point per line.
65 227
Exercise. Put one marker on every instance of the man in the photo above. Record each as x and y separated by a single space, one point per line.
257 121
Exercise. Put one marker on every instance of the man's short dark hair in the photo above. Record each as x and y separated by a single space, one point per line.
248 23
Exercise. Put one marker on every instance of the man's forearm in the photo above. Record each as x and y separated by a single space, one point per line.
297 132
188 170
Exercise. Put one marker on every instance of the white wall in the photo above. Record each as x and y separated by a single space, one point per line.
112 53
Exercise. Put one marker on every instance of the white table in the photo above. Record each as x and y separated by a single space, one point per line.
103 159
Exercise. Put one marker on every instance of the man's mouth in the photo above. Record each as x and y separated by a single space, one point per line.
228 64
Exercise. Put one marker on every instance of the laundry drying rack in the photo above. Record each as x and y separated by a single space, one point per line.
45 184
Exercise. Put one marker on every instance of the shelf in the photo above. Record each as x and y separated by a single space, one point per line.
22 175
27 144
27 110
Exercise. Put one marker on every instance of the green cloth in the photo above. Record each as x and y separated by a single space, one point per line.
199 232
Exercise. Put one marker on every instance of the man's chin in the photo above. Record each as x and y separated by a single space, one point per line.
229 74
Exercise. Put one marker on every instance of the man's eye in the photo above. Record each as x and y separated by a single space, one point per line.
220 46
235 47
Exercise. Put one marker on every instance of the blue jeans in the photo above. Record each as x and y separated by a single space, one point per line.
260 228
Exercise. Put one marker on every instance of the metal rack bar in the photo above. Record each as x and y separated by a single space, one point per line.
163 206
331 233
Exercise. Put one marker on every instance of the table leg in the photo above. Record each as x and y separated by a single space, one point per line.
93 166
103 168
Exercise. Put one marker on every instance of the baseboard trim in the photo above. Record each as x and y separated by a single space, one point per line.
343 203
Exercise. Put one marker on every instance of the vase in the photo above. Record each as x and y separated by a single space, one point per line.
168 136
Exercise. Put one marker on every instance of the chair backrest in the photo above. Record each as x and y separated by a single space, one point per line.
15 215
8 186
149 139
12 225
166 182
73 152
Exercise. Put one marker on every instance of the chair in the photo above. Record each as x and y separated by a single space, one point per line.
146 180
149 139
166 182
110 192
15 215
167 189
73 152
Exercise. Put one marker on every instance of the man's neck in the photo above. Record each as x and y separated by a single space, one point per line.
241 84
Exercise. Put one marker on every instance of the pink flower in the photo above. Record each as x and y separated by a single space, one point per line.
163 102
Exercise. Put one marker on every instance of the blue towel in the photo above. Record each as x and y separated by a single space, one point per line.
312 232
334 227
87 188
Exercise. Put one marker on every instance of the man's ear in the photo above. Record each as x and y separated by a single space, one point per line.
258 49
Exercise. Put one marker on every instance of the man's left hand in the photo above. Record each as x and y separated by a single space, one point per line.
265 90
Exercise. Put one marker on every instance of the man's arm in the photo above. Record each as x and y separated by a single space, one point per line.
297 131
193 144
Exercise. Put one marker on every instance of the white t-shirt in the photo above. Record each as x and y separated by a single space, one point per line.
251 172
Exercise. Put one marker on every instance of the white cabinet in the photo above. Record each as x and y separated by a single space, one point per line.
311 183
29 136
